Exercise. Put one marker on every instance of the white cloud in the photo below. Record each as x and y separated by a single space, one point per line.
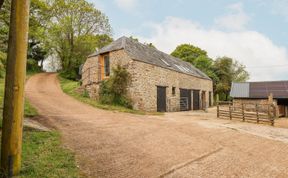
126 5
236 19
249 47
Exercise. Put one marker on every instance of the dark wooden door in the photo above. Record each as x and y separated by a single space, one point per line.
196 99
185 99
161 99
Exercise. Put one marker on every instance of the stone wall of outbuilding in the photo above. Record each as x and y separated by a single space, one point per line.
146 78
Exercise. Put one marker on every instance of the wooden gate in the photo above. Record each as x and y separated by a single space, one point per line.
258 113
185 100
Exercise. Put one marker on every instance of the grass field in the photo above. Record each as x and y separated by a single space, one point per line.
69 87
43 155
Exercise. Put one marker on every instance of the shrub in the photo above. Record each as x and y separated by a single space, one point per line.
114 90
32 66
85 94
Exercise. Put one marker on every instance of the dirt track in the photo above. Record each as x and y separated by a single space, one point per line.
189 144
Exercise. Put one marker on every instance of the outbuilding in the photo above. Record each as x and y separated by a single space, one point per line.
260 92
160 82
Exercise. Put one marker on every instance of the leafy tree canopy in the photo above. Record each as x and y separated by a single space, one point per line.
75 28
188 52
223 71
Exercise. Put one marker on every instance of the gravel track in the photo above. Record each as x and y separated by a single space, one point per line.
187 144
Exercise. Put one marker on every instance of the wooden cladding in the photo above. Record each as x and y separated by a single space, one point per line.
104 66
247 112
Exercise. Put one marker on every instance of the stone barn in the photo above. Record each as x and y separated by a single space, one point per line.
262 93
160 82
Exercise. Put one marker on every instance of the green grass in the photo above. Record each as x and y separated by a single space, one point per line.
69 87
43 155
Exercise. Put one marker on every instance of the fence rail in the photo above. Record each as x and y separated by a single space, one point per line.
264 113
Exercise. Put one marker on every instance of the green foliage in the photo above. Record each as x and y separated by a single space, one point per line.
77 29
85 94
2 64
228 71
114 90
32 66
43 156
188 52
36 48
223 71
70 87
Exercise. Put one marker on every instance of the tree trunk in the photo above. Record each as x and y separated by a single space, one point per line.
1 3
11 146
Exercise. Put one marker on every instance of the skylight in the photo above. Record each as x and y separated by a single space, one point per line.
165 62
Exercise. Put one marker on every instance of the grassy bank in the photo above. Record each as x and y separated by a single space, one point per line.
43 155
69 87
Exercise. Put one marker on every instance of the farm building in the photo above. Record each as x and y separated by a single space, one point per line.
159 82
262 93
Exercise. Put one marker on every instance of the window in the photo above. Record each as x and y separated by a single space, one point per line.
173 91
106 65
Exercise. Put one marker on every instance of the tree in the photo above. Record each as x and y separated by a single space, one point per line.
228 71
206 65
188 52
37 26
73 31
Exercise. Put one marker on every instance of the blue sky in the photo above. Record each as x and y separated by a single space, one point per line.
252 31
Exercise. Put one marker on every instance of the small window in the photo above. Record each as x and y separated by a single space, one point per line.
106 65
173 91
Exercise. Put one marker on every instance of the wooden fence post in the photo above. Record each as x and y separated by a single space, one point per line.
257 113
243 112
218 110
274 115
230 111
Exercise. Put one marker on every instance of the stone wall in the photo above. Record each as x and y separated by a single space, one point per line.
146 78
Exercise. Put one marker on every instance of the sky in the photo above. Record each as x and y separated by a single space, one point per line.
253 32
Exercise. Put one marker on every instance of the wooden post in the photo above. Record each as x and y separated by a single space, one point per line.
274 115
243 112
11 146
257 113
230 111
218 114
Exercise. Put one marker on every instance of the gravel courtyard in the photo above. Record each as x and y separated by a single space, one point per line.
186 144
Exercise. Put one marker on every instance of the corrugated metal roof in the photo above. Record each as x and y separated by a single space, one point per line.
144 53
279 89
240 90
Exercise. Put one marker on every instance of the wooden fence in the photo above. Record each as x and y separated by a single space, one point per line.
258 113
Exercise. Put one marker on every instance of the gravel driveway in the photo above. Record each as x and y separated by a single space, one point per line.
186 144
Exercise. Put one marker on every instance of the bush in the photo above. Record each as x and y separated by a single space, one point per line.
114 90
70 74
85 94
32 66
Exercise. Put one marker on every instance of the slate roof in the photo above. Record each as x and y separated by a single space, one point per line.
140 52
279 89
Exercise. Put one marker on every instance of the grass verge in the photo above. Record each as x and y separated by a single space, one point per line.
69 87
43 155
